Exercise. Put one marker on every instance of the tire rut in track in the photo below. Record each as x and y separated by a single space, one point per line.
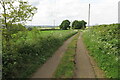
85 66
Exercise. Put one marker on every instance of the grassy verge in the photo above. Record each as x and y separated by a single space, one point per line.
66 67
102 42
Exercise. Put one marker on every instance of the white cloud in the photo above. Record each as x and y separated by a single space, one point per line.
102 11
105 13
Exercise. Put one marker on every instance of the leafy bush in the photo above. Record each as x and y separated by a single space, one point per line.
65 24
29 50
79 24
102 42
13 29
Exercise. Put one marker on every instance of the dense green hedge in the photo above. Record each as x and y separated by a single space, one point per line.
102 42
28 50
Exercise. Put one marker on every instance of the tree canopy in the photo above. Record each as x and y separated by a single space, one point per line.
65 25
79 24
19 13
15 12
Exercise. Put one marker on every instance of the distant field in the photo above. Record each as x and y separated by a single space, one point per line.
48 28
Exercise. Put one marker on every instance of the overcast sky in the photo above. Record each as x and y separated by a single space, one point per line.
102 11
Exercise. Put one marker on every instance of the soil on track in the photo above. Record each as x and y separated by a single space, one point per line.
48 69
86 67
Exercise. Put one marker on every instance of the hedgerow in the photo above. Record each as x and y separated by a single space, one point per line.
28 50
102 42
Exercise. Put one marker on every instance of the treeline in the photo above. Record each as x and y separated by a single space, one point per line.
75 24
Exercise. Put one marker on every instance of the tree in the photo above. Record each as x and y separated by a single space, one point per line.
79 24
75 24
83 24
16 28
65 25
14 14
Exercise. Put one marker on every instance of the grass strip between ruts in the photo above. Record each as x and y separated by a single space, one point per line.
66 67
